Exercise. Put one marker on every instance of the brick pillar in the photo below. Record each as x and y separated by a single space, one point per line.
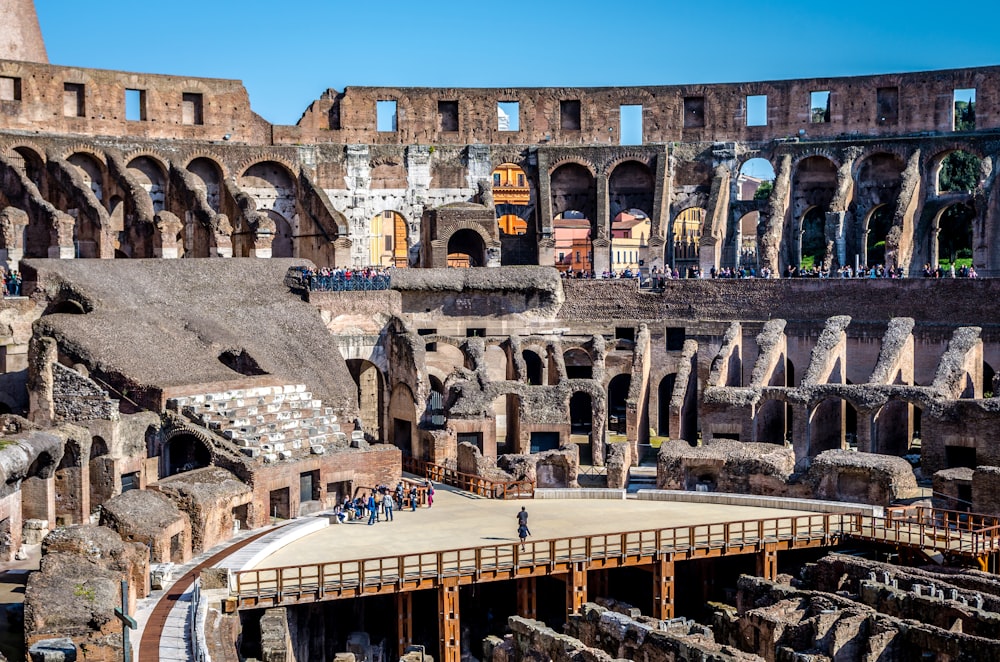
663 587
527 603
576 588
404 622
449 630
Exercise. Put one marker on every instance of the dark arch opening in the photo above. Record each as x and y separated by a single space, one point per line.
185 452
618 389
581 413
879 224
533 368
66 307
813 238
370 385
664 393
988 377
955 236
466 248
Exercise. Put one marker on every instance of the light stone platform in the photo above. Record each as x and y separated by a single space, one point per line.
459 520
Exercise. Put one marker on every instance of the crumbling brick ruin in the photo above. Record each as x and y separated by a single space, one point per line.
154 408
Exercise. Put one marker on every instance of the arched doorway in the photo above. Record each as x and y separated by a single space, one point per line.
534 372
812 242
283 244
756 179
664 393
581 423
183 453
959 172
893 428
828 426
618 389
69 486
876 233
389 247
272 187
101 473
371 396
686 235
574 204
955 230
466 248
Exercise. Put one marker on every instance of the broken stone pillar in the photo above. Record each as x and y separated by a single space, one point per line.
262 242
223 236
619 461
835 239
275 638
42 353
13 221
168 228
61 237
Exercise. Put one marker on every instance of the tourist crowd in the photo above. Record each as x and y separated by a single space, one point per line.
381 502
327 279
11 283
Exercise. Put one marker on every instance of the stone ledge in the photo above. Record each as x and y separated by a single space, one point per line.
586 493
753 500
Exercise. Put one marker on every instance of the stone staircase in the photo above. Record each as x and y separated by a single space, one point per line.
270 422
641 478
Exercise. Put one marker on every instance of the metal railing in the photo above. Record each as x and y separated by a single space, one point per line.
508 559
484 487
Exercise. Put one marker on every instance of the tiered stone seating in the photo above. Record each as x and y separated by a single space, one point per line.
270 421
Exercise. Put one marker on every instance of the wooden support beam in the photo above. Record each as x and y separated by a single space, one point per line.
663 587
576 587
449 630
404 623
767 561
527 602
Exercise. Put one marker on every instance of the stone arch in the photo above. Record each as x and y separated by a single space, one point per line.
829 425
71 492
101 473
283 243
152 176
876 231
618 388
93 171
955 235
631 185
389 239
210 174
534 368
404 419
467 247
685 237
182 452
573 186
957 170
892 428
30 158
370 383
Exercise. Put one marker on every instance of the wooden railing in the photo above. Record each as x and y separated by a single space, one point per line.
508 559
491 489
947 531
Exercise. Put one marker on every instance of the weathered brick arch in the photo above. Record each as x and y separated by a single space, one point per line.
830 155
900 152
643 157
569 160
190 157
10 149
930 165
267 157
467 225
163 163
84 148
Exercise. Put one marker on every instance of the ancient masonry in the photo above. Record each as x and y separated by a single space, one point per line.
147 422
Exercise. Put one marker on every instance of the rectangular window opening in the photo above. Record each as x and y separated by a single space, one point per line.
475 333
10 88
508 115
135 105
887 105
192 109
694 112
426 332
447 115
569 115
675 338
74 100
964 116
757 110
625 333
386 119
630 125
819 107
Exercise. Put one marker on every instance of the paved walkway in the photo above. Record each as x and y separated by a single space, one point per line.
459 520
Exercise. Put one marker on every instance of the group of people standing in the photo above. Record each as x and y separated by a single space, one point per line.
11 283
381 502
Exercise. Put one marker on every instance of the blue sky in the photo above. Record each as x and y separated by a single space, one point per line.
288 53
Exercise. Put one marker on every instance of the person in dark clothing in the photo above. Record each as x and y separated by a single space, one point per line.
522 525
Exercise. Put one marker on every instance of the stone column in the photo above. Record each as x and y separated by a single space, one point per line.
165 244
12 224
602 242
61 237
